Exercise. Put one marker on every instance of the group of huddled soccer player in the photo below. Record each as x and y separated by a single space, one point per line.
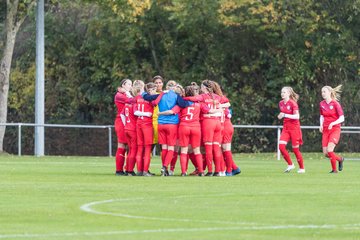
193 121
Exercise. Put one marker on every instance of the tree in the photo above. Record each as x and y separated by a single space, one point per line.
16 12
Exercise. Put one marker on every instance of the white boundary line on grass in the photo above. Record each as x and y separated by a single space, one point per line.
175 230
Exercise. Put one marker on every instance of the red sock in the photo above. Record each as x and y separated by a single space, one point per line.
168 158
139 158
209 156
285 154
229 161
299 157
183 162
147 158
217 157
204 164
199 163
332 160
193 159
222 162
120 159
163 156
173 161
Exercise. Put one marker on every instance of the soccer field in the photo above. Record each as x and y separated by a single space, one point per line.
81 198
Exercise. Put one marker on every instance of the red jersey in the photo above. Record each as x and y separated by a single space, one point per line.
120 99
213 101
130 118
190 116
331 112
289 108
143 106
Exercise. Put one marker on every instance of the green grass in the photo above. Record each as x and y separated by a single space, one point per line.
41 198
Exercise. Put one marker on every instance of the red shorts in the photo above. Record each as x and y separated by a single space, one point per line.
189 134
144 134
227 132
331 136
130 137
211 130
294 134
120 131
168 134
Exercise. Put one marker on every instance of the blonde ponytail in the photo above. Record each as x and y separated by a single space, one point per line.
335 92
293 95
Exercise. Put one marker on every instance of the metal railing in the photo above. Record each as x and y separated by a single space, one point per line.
19 125
345 129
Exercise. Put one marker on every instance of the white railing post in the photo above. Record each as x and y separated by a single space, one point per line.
19 139
277 145
110 141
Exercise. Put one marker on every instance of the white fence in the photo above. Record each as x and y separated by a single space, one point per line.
345 129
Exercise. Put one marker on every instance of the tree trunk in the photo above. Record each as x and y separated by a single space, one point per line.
11 28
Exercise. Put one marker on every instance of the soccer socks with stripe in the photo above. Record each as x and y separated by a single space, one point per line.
120 159
285 154
299 157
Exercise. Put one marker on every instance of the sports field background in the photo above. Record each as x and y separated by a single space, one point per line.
80 198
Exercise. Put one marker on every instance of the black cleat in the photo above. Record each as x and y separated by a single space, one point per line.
140 174
333 171
164 172
201 174
183 174
132 173
208 174
216 174
119 173
152 174
341 163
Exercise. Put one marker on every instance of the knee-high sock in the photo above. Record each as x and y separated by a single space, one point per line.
147 158
183 162
139 158
217 157
332 156
299 157
204 161
168 158
285 154
120 159
163 156
173 161
229 161
193 159
209 156
199 162
222 162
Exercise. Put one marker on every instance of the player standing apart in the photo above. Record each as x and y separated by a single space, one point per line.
289 111
331 117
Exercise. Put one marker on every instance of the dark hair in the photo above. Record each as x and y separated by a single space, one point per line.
157 77
124 81
149 85
190 91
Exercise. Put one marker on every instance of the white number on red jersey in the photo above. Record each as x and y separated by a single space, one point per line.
189 114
